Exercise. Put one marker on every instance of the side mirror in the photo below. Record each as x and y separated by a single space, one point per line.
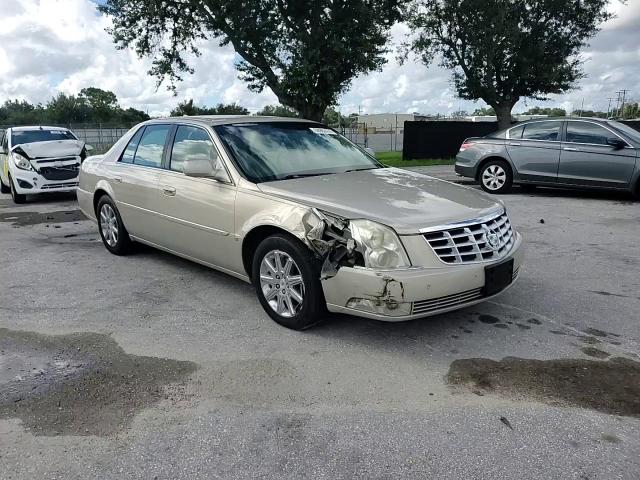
370 151
616 143
88 147
205 168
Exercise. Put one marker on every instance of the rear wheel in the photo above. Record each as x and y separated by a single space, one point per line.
496 177
4 188
112 231
287 280
17 197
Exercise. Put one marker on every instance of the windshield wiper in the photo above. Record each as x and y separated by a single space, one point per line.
361 169
303 175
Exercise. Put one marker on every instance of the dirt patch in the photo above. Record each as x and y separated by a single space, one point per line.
79 384
611 386
21 218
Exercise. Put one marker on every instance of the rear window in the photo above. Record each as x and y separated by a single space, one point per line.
549 131
19 137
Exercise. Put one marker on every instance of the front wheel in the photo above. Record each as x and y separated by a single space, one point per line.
496 177
114 236
17 197
287 280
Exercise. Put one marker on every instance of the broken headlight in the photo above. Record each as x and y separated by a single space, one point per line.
379 245
21 162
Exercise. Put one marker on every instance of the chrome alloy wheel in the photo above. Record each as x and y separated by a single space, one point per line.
281 283
109 225
494 177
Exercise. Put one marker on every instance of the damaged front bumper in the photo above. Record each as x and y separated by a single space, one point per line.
416 292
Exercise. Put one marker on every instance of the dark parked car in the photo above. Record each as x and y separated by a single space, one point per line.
563 152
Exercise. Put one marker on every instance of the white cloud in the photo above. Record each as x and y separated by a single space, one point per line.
51 46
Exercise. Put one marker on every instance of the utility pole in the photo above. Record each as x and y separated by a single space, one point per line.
609 107
624 97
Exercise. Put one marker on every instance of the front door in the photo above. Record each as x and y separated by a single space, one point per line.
534 149
587 159
197 213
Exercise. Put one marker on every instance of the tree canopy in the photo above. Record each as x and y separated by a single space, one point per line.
306 52
550 111
503 50
92 105
188 108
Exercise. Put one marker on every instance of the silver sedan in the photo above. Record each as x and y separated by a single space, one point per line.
313 221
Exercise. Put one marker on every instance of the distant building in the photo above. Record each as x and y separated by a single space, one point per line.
386 122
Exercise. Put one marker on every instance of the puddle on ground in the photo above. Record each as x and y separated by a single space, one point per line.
78 384
21 218
611 386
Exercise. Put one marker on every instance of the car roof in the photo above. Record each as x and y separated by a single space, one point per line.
212 120
544 119
38 127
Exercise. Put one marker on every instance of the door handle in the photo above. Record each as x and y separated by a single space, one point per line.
514 144
169 191
571 149
117 179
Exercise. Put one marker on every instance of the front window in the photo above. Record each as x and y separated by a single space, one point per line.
20 137
585 132
281 150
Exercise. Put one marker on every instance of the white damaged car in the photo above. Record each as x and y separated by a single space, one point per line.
37 160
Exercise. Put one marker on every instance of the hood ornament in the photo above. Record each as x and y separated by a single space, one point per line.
491 238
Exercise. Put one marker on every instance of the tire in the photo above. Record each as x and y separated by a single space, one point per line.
4 188
112 231
496 177
18 198
636 191
285 306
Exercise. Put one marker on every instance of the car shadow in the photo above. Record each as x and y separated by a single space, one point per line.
558 192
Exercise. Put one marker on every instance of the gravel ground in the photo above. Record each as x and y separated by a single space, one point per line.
149 366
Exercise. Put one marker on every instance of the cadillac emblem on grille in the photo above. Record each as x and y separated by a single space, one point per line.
491 238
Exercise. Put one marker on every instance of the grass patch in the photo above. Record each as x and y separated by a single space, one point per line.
394 159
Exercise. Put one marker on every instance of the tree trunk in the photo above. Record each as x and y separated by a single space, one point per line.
311 112
503 112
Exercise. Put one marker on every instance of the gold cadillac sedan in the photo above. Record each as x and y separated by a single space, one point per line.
313 221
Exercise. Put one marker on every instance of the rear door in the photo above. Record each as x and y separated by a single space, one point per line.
588 160
134 179
197 214
534 149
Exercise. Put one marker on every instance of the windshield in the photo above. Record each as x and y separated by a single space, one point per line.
631 132
19 137
281 150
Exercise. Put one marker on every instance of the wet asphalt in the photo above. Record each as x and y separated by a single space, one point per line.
149 366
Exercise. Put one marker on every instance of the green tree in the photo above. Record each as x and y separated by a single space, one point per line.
550 111
306 52
103 103
65 109
503 50
588 113
21 112
187 107
278 111
485 111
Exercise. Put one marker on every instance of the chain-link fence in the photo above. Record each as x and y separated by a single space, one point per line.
374 138
100 136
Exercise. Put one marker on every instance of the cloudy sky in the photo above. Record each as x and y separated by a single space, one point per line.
51 46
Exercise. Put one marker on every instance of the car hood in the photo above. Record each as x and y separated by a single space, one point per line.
52 149
404 200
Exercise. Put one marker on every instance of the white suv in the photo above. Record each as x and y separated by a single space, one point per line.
39 159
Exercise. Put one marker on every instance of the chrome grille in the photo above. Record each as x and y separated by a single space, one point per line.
468 242
427 306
